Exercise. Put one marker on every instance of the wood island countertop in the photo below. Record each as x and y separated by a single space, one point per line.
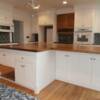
39 47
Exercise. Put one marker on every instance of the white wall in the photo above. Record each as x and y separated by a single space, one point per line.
27 20
35 23
97 19
17 14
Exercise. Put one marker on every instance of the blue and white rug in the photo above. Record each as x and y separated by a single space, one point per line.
8 93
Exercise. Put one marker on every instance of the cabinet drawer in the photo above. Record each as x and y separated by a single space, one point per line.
24 59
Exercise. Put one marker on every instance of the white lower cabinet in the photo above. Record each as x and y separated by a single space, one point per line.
7 58
81 73
96 72
25 69
37 70
45 69
82 69
63 63
24 75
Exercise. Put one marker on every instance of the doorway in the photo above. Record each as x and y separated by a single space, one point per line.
18 35
48 34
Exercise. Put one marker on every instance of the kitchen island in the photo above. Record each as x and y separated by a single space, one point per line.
37 65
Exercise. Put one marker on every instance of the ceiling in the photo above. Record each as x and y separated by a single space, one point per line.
48 4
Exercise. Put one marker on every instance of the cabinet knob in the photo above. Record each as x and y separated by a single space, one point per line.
4 54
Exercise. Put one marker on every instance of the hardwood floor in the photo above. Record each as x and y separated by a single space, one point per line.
16 86
60 91
7 72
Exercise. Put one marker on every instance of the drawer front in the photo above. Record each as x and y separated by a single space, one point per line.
25 59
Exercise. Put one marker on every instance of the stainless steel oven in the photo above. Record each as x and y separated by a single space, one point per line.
6 32
83 36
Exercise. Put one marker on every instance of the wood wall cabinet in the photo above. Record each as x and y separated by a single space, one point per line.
65 21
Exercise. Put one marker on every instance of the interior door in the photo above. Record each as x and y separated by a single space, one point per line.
48 34
18 35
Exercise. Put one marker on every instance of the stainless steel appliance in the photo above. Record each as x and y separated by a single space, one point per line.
6 32
83 36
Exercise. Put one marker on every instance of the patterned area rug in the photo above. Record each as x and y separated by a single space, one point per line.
8 93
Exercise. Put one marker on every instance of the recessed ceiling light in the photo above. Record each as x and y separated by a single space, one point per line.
36 7
65 2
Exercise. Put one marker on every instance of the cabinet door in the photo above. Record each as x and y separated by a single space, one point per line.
63 63
96 72
83 17
82 72
10 59
7 58
24 75
65 21
2 58
59 22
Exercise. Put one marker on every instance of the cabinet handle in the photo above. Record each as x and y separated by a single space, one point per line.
67 56
22 58
4 54
92 59
23 66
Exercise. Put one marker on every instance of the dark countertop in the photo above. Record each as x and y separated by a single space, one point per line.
37 47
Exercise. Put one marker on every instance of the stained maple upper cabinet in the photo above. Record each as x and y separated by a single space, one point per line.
65 21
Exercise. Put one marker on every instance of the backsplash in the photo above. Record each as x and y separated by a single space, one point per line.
97 38
4 37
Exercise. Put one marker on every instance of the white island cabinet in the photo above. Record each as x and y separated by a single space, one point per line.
96 71
7 57
81 72
64 62
82 69
73 67
25 63
34 70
